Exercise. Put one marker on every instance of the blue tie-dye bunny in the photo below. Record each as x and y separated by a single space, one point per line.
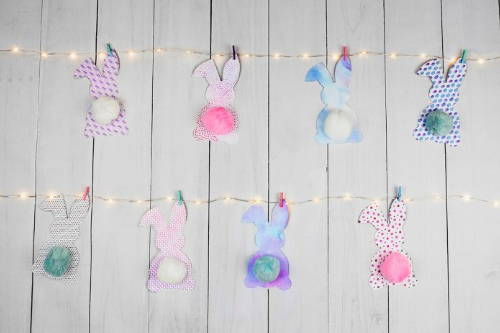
336 123
439 121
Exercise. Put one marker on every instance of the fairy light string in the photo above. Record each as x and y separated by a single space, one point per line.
131 53
256 200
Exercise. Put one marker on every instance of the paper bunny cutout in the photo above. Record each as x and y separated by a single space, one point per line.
390 266
217 120
104 90
170 268
336 123
440 121
268 267
58 257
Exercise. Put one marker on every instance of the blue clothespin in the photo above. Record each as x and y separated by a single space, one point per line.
464 56
179 198
399 191
109 49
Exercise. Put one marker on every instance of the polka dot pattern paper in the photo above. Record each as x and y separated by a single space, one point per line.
443 95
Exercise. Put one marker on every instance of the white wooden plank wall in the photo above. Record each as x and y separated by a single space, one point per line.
454 245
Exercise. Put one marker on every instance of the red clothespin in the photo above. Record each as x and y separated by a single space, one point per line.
345 52
86 193
282 199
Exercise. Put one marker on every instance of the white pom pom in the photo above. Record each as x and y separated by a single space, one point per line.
338 125
172 270
105 109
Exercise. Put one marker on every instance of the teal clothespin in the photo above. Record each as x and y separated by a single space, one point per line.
399 191
464 56
109 49
179 198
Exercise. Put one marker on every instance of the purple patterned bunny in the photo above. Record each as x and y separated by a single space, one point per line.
440 121
107 114
268 267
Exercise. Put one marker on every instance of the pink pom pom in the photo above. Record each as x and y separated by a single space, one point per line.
218 120
396 267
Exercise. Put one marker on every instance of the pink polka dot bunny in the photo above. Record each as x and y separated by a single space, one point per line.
390 266
217 120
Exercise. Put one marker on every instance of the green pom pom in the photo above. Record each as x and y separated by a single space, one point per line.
266 268
57 261
438 123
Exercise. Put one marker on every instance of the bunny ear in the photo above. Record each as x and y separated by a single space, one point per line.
55 205
178 214
456 73
79 208
111 66
151 216
432 69
255 214
397 213
319 73
280 216
207 70
373 216
231 71
343 72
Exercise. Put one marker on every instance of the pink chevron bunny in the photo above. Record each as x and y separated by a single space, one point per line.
107 114
171 268
390 266
217 120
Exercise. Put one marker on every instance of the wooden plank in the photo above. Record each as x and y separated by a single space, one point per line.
64 158
418 166
472 167
239 169
179 162
298 165
19 79
120 248
357 169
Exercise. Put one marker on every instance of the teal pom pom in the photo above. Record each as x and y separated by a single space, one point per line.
266 268
438 123
57 261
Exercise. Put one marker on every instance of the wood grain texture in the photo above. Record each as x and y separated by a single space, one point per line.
357 168
240 168
64 158
298 166
474 229
418 166
119 299
178 161
19 79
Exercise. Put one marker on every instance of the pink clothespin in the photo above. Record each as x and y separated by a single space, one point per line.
87 189
282 199
345 52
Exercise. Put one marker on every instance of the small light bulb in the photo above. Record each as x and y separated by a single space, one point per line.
23 195
159 50
109 201
480 61
198 202
139 201
436 197
496 203
15 49
315 199
335 56
257 200
466 197
276 56
406 200
72 55
246 55
169 198
423 55
131 53
188 52
305 56
102 54
393 55
44 54
363 52
51 196
347 196
227 198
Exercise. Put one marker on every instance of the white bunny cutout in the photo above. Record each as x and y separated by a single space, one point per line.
217 120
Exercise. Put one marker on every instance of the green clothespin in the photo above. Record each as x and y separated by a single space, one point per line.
464 56
399 191
109 49
179 198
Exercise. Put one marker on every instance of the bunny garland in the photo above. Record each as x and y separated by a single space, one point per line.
58 257
439 121
107 114
336 123
217 120
390 266
268 267
171 268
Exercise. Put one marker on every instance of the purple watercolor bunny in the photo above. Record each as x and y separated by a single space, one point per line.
268 267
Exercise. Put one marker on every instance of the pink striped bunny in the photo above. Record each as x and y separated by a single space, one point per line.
217 120
390 266
171 268
107 114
